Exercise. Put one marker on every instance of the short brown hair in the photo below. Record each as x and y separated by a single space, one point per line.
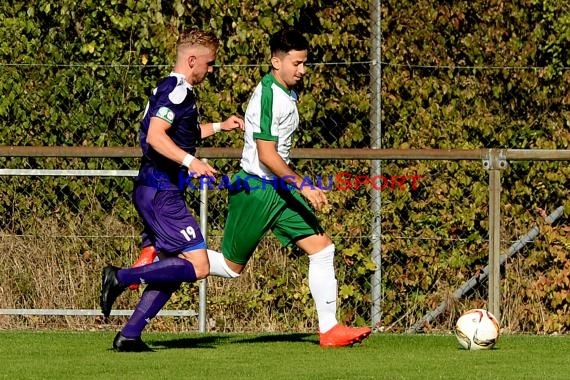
196 37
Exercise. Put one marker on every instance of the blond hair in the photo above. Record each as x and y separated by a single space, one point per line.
195 37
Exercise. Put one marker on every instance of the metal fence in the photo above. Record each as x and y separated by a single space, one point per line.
87 241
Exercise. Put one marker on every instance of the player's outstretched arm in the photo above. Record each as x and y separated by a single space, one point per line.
231 123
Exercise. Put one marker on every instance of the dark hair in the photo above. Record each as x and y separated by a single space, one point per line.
286 40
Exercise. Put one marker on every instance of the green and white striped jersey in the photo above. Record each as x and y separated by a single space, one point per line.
270 115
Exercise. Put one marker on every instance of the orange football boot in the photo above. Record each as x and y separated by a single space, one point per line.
147 256
340 336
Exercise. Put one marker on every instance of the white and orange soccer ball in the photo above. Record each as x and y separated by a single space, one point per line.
477 329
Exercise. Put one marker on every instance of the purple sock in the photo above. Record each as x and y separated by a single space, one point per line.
152 300
169 270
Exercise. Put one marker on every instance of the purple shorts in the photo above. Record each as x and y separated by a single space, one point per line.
168 224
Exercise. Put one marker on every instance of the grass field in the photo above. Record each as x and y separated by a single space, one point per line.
86 355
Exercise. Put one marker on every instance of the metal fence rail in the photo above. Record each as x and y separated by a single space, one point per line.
92 312
303 153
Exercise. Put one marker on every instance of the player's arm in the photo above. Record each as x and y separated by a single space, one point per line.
163 144
269 157
232 122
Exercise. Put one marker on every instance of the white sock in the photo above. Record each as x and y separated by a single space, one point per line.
323 286
218 266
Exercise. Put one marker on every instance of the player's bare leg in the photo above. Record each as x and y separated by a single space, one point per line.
323 286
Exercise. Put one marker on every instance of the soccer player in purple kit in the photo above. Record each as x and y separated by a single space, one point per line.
170 131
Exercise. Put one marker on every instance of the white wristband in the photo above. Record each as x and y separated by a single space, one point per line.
188 160
217 127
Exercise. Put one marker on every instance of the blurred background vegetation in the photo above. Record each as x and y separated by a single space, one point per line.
463 74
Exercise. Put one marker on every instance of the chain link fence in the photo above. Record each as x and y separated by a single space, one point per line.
56 232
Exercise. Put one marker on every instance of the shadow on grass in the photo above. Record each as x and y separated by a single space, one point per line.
211 341
206 341
292 338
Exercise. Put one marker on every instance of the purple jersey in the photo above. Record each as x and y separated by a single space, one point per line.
168 224
173 100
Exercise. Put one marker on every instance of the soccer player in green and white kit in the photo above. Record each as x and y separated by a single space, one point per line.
260 202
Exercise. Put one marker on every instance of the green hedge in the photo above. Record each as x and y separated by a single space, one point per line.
466 74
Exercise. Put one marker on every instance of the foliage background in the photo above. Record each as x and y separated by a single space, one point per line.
481 74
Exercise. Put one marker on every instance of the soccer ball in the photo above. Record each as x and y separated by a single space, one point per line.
477 329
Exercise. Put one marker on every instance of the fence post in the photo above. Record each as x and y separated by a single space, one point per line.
203 287
494 163
376 165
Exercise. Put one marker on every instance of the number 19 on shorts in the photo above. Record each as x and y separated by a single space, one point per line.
188 233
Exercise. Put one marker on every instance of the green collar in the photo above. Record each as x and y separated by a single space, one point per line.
274 80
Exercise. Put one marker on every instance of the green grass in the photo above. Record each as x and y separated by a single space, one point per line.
86 355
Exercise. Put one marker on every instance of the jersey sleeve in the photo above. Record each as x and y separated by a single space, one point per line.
267 117
168 98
